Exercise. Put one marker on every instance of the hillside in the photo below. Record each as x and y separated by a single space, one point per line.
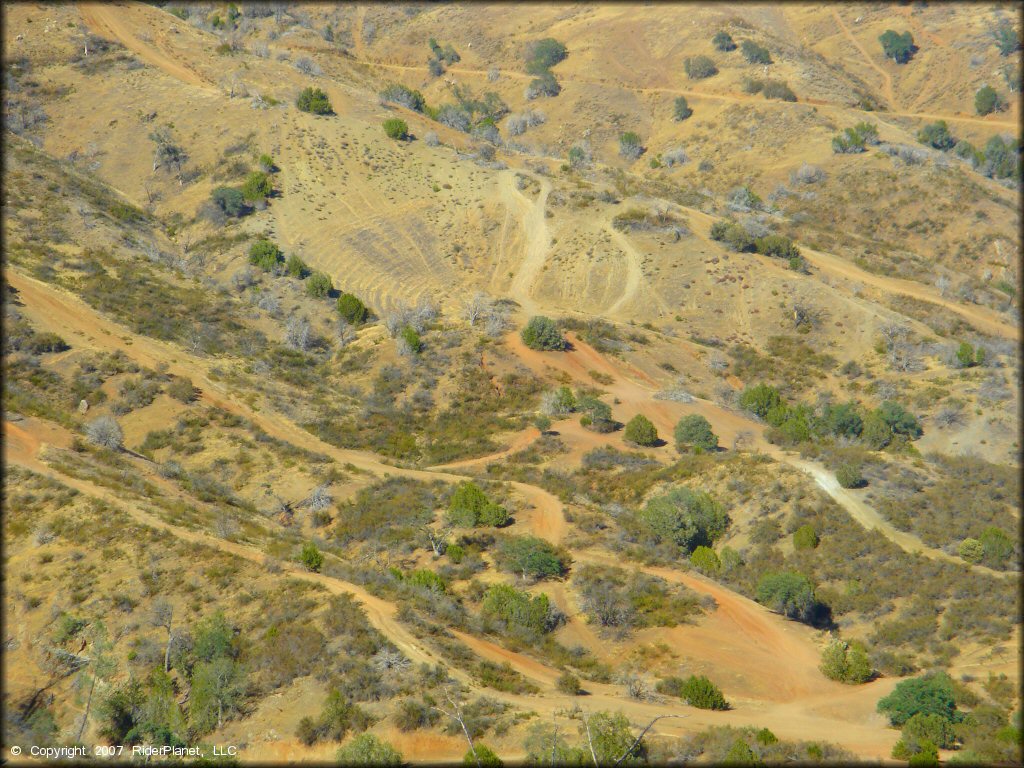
406 379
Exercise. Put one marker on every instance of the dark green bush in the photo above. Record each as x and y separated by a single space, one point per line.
898 47
754 53
641 431
723 42
397 129
265 254
699 67
693 432
352 309
315 101
542 333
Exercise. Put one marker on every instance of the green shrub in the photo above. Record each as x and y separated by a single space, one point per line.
641 431
705 560
542 333
849 476
229 200
987 100
778 90
723 42
693 431
265 254
257 186
630 145
846 662
315 101
760 399
999 547
367 749
805 537
732 234
754 53
310 557
569 684
426 579
296 267
547 52
319 285
481 756
933 728
681 109
937 136
397 93
395 128
531 557
1006 37
788 593
972 550
766 737
699 67
684 517
412 339
469 507
352 309
519 609
898 47
181 389
700 692
779 246
930 694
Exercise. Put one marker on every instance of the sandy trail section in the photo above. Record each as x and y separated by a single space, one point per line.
538 240
121 22
890 96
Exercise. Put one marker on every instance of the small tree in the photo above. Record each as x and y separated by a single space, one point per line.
849 475
1006 37
296 267
754 53
705 560
397 129
351 309
319 285
641 431
788 593
106 433
367 749
542 333
937 136
265 254
723 42
266 163
409 341
930 694
898 47
257 186
987 100
760 399
846 662
569 684
699 67
310 557
700 692
972 550
693 432
229 200
315 101
681 109
805 537
630 145
481 756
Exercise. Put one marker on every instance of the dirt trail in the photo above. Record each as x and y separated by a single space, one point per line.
634 270
983 318
731 97
886 79
635 397
854 726
538 240
119 22
731 635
